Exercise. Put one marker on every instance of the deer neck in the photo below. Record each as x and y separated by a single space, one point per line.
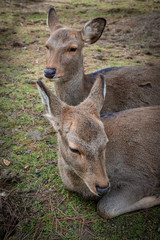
72 90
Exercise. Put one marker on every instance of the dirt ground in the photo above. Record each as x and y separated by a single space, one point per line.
33 201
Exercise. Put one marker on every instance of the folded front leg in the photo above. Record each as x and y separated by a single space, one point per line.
120 202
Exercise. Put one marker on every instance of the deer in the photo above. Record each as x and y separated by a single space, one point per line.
128 87
114 159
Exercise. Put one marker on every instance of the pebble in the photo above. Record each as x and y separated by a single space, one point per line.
3 194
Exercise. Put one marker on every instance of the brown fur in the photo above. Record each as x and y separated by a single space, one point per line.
129 161
127 87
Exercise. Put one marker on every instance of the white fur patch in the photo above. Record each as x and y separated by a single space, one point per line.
48 116
104 90
45 100
88 29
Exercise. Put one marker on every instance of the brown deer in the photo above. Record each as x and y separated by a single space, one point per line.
127 87
115 159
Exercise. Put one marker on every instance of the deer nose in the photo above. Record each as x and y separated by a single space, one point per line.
102 191
49 72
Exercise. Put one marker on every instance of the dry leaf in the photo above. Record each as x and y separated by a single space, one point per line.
26 167
6 162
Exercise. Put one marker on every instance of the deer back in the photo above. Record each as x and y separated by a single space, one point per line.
133 153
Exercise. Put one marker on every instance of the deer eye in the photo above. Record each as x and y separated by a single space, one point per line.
74 150
47 46
72 49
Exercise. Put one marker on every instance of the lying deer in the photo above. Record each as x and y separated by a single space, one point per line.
127 87
116 157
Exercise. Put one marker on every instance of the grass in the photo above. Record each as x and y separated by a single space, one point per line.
35 203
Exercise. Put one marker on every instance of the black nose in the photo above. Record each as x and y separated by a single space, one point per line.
102 191
49 73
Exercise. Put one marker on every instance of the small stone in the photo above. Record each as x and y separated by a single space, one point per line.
28 152
37 171
3 194
51 162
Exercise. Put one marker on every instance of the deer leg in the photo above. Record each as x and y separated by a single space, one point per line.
114 204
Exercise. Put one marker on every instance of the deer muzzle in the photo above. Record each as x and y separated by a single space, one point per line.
50 72
102 191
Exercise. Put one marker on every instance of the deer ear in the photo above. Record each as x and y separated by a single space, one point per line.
52 21
93 30
53 106
97 95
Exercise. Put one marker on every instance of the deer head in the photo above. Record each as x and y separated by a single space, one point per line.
81 135
64 47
